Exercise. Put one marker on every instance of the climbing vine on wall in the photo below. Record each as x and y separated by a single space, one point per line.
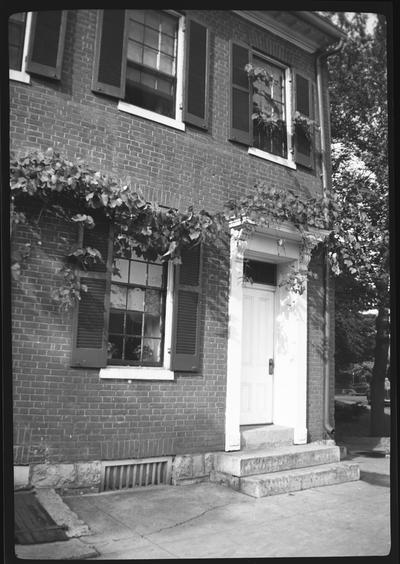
44 184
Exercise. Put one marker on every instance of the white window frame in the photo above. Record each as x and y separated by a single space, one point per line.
150 372
177 122
289 160
22 75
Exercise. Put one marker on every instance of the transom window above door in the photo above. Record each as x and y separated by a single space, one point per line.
259 272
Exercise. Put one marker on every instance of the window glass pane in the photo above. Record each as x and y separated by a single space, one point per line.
151 37
133 323
132 348
136 299
135 53
136 31
259 272
116 324
152 326
138 273
165 86
167 64
137 15
151 350
148 80
149 57
123 266
168 25
153 302
118 297
155 275
115 347
168 45
152 18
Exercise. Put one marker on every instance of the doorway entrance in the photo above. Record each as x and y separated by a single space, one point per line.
256 397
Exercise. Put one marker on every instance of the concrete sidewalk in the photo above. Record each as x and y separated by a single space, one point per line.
210 521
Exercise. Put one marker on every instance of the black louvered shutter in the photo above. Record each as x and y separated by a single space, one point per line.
186 348
304 103
46 44
109 73
197 69
90 327
240 113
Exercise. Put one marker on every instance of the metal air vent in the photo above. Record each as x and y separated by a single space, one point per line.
136 473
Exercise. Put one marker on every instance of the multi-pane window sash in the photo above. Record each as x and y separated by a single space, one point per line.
137 312
151 61
269 127
138 60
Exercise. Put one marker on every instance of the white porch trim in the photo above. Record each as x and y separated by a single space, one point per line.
279 244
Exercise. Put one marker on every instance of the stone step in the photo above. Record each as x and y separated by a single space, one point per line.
261 461
275 483
264 436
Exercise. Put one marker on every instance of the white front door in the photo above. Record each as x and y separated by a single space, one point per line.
257 351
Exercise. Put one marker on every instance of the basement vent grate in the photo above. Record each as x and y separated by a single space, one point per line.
137 473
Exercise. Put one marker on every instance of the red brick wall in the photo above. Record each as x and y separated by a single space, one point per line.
64 414
316 343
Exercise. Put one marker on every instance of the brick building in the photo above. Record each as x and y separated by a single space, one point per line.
162 97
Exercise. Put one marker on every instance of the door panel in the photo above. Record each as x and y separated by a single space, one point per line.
257 349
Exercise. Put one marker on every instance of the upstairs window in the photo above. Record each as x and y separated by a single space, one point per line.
155 63
16 40
269 109
151 75
265 97
36 44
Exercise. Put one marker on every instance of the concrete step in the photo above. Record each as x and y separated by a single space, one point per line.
265 436
261 461
275 483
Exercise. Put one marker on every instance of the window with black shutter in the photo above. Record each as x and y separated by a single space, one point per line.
186 325
90 324
121 318
46 44
259 103
304 106
240 95
196 98
138 61
16 39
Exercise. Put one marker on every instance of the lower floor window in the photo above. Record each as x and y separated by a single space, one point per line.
137 312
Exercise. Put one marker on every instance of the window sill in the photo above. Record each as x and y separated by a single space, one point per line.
136 373
152 116
20 76
273 158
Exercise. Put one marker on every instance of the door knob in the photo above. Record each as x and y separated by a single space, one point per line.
271 366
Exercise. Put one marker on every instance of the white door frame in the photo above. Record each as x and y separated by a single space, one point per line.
280 245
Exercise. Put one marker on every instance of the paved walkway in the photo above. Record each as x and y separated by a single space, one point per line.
210 521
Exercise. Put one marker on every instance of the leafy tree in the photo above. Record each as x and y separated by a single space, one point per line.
360 241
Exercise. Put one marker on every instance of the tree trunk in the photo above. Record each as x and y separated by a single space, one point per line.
379 373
